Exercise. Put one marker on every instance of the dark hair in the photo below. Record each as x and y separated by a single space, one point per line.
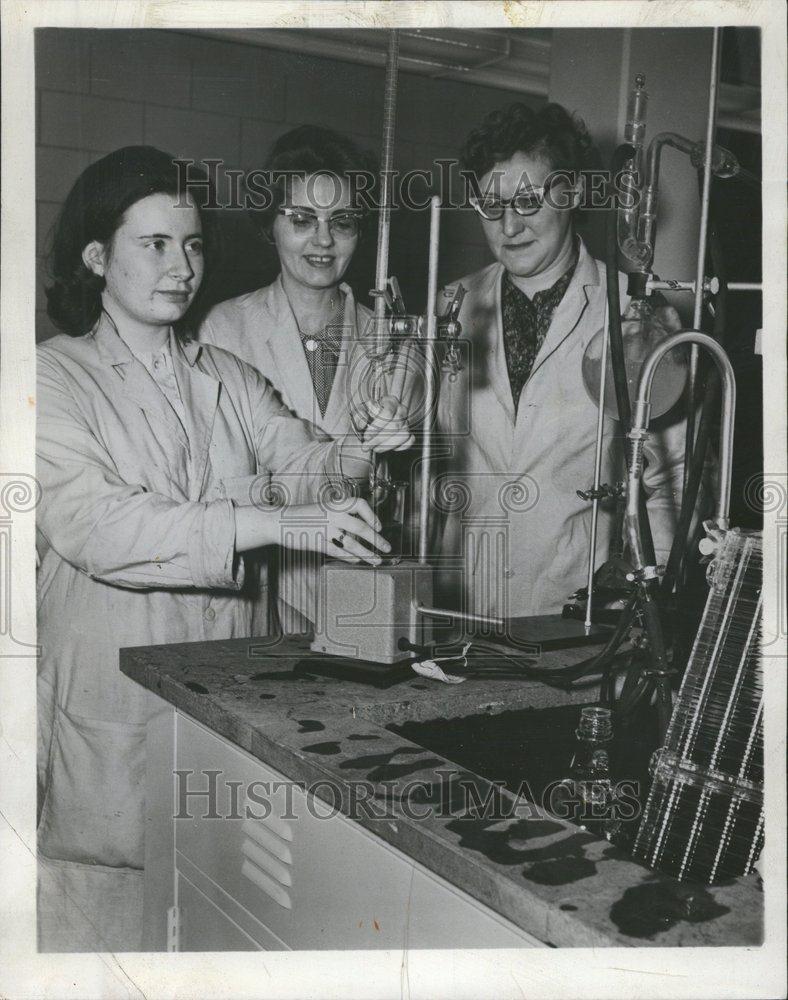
551 132
94 210
311 149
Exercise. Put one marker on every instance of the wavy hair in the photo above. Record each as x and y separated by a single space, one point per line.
551 132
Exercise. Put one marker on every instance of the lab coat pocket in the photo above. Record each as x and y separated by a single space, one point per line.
93 810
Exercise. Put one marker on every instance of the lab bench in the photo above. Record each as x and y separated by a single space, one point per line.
282 813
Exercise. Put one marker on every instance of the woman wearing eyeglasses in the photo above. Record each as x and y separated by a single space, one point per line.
302 331
529 446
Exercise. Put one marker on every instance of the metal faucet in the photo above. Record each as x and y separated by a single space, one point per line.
639 433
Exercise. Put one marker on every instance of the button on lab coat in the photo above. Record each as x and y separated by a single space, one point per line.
135 536
261 329
512 534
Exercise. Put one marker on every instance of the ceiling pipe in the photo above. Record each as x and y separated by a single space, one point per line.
517 64
528 76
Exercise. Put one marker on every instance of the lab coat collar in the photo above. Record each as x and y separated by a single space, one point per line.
337 413
284 342
586 274
199 391
136 381
571 307
565 320
115 351
111 347
188 350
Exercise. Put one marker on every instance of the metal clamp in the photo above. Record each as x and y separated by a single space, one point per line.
654 283
605 492
645 573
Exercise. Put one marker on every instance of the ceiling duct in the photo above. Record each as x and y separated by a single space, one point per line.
516 60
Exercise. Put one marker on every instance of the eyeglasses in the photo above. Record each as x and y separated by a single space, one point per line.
342 226
523 203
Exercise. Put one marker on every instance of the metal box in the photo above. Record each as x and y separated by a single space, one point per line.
368 612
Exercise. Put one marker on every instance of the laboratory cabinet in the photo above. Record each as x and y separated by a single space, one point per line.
238 858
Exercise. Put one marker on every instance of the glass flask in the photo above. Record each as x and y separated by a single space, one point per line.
644 325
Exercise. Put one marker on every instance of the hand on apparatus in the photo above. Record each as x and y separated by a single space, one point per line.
388 429
350 534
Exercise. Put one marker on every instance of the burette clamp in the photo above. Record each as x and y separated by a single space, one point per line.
604 492
645 573
654 283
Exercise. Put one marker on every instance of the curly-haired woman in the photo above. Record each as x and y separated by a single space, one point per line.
519 424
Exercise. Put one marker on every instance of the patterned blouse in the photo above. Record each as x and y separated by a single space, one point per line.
525 325
322 357
322 352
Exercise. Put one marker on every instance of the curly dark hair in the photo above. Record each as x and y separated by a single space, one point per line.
94 210
551 132
311 149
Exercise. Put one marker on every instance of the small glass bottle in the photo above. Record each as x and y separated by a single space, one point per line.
589 778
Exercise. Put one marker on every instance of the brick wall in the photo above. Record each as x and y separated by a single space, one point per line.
204 97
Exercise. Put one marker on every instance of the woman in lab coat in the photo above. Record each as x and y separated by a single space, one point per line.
303 331
512 534
153 451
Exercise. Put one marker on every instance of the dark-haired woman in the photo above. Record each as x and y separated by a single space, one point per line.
151 449
302 331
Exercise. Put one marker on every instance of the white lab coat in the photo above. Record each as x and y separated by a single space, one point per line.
260 328
512 535
135 536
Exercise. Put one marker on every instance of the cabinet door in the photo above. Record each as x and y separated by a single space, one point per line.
204 927
313 879
442 916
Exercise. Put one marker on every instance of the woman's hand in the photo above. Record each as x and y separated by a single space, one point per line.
388 430
350 534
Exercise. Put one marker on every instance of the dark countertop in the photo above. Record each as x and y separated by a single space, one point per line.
555 881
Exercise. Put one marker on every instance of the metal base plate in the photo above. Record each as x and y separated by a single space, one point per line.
539 633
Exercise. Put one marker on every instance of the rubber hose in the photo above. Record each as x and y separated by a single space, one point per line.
606 655
620 157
